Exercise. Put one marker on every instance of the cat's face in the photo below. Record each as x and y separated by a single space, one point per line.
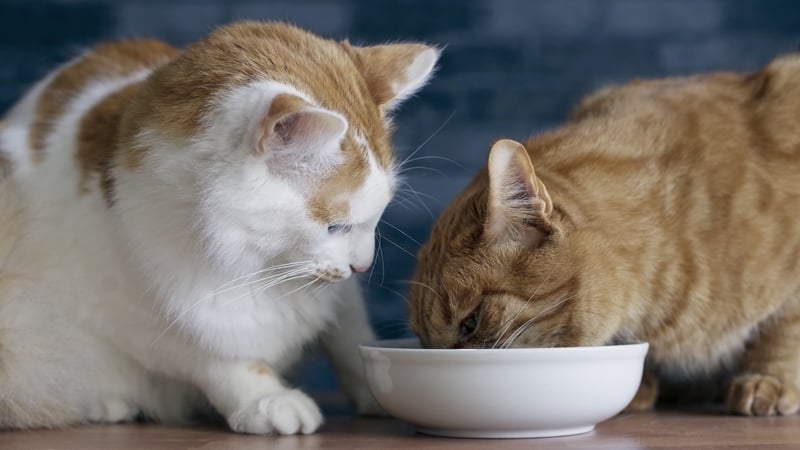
498 270
284 139
310 197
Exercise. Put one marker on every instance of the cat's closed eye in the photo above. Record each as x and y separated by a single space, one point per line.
339 228
468 325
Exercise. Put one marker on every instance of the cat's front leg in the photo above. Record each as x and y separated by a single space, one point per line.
769 384
647 395
253 399
340 342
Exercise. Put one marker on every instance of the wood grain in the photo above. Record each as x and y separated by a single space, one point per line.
666 429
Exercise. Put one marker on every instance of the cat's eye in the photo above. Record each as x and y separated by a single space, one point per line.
468 325
339 228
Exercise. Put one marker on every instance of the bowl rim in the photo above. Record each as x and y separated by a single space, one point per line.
391 347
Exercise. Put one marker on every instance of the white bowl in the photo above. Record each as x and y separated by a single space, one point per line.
503 393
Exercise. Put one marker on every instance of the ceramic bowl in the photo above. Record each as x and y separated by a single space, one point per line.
503 393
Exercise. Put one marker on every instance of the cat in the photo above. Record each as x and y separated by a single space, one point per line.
185 223
663 211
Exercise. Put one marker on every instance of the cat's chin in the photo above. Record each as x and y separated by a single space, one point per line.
330 276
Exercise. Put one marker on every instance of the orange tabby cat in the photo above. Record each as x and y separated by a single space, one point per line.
665 211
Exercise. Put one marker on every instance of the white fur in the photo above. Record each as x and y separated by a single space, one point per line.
154 305
414 77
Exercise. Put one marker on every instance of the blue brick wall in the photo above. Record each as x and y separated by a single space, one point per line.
510 68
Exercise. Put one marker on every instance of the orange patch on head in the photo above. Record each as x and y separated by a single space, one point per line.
181 94
105 61
329 200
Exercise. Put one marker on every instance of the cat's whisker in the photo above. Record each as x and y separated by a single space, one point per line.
441 127
425 286
317 278
524 305
430 169
380 253
397 293
528 323
401 232
378 243
268 282
418 196
392 328
412 191
319 287
259 272
400 247
238 286
556 305
277 272
267 278
291 276
441 158
400 201
518 332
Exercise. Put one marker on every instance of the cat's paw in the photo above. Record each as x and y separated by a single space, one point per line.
112 410
287 412
646 396
762 395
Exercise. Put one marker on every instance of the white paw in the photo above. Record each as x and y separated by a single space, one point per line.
287 412
112 410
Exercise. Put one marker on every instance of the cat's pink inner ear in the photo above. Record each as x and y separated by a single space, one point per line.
294 130
519 204
394 72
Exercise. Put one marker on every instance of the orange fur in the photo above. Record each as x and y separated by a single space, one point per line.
673 221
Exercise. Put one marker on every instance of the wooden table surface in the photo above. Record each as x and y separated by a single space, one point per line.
665 429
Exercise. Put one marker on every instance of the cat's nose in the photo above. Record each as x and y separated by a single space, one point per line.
359 269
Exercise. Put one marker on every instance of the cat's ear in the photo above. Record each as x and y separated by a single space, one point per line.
519 206
394 72
296 135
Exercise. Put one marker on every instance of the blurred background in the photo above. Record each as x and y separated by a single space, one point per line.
510 68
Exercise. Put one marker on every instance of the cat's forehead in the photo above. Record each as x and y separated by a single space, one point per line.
357 191
246 53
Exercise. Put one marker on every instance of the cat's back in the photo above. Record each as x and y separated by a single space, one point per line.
757 110
651 134
32 129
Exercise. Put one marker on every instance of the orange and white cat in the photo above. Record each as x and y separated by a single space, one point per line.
178 225
665 211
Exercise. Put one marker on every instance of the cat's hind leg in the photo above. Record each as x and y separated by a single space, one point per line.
53 373
770 383
647 395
